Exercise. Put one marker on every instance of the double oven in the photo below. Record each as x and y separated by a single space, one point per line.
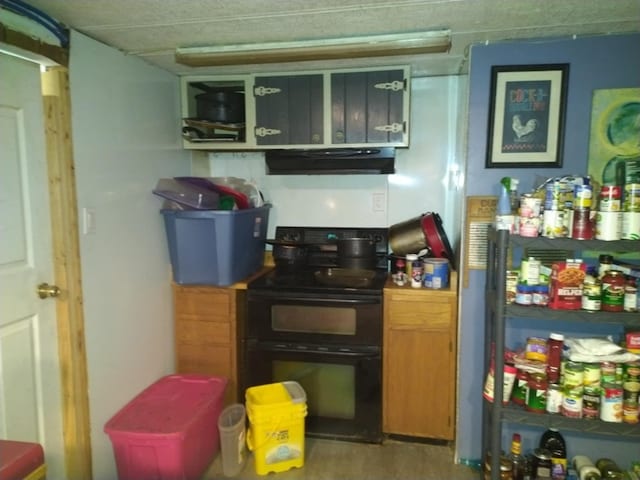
321 326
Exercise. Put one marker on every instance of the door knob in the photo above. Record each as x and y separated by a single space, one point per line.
45 290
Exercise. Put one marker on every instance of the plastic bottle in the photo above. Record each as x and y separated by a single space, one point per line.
553 441
517 459
585 468
505 220
609 469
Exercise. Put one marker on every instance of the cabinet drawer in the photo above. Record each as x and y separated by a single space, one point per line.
205 304
202 333
420 314
209 360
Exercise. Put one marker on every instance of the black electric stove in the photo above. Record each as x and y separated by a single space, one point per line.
321 272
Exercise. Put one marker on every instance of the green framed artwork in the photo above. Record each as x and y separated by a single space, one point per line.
614 141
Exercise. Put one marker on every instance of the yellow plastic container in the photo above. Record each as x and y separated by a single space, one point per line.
276 426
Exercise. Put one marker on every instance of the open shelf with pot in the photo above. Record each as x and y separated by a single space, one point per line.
215 109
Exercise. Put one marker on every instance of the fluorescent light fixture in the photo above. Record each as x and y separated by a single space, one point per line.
438 41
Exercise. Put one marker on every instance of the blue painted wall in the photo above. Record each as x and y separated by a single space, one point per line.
595 63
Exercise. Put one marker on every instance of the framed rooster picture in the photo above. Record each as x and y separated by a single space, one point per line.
526 116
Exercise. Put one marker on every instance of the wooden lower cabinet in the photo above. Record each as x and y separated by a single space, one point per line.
419 361
208 322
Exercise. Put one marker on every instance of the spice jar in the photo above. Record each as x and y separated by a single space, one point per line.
506 468
613 291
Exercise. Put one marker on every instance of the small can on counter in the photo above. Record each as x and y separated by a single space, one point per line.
416 273
435 272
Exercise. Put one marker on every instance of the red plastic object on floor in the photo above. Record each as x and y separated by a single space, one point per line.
170 430
19 460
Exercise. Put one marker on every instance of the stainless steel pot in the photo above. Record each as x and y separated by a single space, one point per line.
222 107
356 253
407 237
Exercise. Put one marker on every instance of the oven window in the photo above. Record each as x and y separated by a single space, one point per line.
313 319
330 388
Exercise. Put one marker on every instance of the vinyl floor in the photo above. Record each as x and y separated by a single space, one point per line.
336 460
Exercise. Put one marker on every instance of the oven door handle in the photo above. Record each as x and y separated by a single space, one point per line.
362 352
362 300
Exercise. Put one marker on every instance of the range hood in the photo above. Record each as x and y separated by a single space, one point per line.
336 161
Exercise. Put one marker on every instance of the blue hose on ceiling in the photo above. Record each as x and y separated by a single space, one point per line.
38 16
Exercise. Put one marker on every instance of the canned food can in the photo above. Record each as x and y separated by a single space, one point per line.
582 196
436 273
554 398
553 225
631 392
536 393
610 198
631 371
631 197
630 229
592 375
530 206
529 227
611 403
520 387
573 375
582 228
591 403
572 402
608 225
630 413
591 294
607 372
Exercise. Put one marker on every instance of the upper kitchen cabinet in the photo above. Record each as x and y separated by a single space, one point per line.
215 111
370 107
319 109
289 110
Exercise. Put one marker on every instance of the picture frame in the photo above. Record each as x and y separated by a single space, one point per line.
526 116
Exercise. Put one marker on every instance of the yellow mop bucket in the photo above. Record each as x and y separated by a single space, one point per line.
276 426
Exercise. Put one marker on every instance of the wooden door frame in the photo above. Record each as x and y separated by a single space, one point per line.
66 259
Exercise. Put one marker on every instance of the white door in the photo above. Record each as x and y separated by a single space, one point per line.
30 393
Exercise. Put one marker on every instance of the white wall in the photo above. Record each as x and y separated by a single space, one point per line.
426 178
125 117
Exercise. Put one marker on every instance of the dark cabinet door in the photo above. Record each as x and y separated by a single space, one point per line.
368 107
289 110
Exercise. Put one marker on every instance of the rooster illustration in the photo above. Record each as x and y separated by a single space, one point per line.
526 132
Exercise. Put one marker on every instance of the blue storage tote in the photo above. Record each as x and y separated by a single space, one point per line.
216 247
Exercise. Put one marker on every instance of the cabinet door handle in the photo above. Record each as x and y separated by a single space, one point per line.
394 86
265 132
262 91
393 128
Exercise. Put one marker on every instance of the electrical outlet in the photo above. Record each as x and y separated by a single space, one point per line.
379 203
88 221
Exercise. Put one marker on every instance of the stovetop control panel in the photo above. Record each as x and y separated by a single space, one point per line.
328 235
